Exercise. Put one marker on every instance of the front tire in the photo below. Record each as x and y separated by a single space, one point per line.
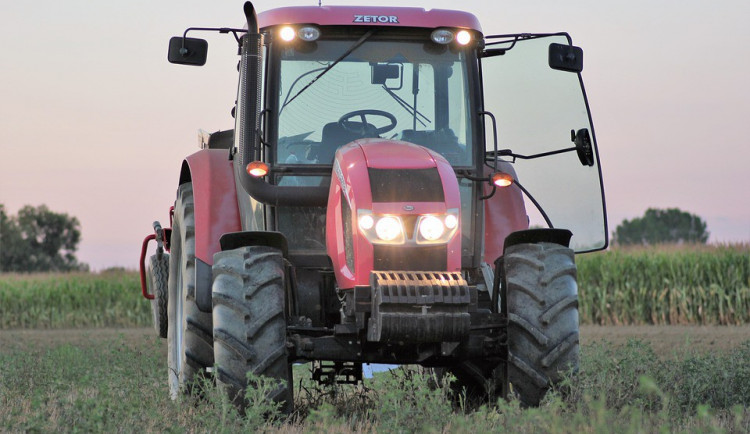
190 343
542 301
250 323
157 281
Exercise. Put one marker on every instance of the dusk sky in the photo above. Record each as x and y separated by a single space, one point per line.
95 122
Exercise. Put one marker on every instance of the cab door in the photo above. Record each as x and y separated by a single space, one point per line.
532 86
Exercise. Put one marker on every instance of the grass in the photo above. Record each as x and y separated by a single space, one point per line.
113 385
92 384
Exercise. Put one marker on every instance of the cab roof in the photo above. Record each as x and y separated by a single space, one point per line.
368 16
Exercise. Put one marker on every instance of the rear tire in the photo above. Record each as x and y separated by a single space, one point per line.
190 343
250 323
157 281
542 301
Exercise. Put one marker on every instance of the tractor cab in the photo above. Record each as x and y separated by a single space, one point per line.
484 104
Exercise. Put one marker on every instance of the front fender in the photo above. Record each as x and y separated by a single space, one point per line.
215 199
216 212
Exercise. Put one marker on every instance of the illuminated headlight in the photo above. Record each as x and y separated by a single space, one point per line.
431 228
388 228
463 37
366 222
287 33
381 229
437 228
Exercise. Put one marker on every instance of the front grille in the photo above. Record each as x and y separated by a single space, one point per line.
421 258
406 185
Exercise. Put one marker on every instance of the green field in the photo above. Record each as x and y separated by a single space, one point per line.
64 368
110 381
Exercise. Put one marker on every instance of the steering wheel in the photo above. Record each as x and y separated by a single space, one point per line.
365 128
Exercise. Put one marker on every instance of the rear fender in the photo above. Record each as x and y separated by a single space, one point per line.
216 212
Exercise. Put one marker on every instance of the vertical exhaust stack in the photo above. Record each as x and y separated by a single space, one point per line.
248 115
248 99
252 17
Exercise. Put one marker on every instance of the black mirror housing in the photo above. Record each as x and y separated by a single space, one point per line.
566 57
584 149
187 51
383 72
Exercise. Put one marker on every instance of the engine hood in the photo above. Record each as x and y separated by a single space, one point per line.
396 154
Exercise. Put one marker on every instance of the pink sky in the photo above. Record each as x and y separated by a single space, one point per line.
95 122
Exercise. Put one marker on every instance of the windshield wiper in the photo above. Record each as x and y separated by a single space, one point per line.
412 110
356 45
291 88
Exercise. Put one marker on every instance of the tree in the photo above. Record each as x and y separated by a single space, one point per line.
662 226
38 239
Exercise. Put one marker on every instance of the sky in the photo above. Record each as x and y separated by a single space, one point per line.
94 121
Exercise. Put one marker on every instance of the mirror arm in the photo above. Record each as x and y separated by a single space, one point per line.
233 31
494 136
508 152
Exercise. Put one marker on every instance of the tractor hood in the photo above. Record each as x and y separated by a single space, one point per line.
394 154
387 178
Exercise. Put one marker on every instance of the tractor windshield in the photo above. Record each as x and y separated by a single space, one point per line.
394 89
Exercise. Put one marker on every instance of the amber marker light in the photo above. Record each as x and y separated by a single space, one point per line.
501 179
257 169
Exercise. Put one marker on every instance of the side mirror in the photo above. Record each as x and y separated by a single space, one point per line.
565 57
187 51
585 151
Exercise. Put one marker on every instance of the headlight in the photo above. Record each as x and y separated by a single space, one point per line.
381 229
287 33
437 228
431 228
463 37
308 33
366 222
388 228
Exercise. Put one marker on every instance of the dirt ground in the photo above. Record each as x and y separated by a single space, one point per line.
666 340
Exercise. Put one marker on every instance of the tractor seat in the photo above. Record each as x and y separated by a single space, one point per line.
334 136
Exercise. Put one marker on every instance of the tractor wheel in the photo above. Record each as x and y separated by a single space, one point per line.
157 277
542 302
250 323
190 349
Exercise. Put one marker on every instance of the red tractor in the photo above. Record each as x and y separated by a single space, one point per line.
373 205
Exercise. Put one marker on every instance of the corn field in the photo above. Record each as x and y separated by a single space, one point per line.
656 285
666 285
65 300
